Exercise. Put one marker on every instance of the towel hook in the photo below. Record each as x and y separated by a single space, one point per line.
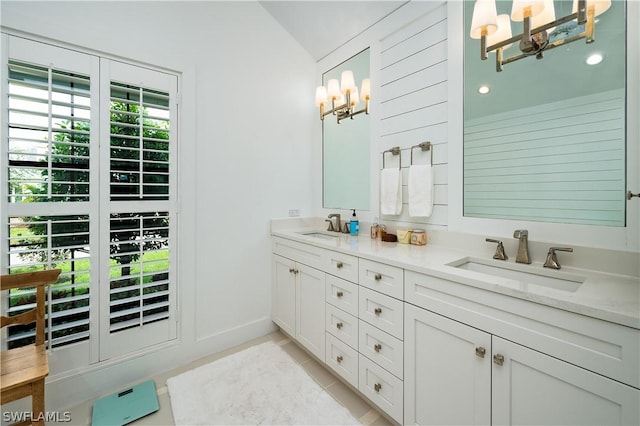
395 151
424 146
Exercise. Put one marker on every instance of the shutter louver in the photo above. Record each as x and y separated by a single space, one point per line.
49 124
139 143
139 291
37 243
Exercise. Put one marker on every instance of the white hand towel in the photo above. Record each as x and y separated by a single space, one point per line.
420 190
391 191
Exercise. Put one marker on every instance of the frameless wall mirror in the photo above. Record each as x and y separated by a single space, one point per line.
546 140
346 148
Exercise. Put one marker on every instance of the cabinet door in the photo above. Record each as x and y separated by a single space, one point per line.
283 306
447 378
533 388
310 301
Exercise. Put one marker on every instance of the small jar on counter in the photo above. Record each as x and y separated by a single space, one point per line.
382 229
375 229
404 235
418 237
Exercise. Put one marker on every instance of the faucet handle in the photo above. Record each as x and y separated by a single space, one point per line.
552 259
330 228
499 254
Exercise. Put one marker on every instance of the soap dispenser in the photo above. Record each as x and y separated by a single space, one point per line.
354 225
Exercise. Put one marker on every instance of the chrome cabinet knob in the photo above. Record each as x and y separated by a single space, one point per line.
377 276
377 347
480 351
377 387
339 359
377 311
339 265
339 294
498 359
339 326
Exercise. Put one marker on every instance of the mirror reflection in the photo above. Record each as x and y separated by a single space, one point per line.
346 148
544 139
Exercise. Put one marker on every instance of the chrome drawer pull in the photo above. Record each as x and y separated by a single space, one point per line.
377 277
480 351
339 265
377 387
339 359
339 294
377 311
377 347
339 325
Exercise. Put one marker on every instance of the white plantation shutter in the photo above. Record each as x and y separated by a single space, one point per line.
141 295
139 143
47 144
52 242
138 306
49 129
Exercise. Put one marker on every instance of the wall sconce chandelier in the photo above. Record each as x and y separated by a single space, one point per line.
345 95
538 17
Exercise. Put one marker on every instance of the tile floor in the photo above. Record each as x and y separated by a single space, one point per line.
359 408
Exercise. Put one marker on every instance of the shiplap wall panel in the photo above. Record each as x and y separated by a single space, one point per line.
424 78
415 62
426 116
413 107
569 169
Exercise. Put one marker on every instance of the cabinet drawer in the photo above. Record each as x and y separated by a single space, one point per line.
342 294
342 325
383 278
303 253
342 359
341 265
381 387
382 348
380 310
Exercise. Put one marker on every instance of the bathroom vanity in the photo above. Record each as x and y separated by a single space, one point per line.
440 335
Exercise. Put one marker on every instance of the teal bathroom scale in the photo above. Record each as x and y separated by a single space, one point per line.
126 406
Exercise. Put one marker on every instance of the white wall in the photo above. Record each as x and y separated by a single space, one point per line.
245 155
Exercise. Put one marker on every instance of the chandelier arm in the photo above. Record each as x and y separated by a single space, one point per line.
534 31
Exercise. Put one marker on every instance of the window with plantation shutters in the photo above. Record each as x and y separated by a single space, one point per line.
88 181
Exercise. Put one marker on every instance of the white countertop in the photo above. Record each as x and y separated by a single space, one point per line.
606 296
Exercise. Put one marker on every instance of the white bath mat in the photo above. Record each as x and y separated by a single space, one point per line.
261 385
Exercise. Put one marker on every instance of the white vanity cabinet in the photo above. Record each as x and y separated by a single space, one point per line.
447 371
298 303
303 275
426 348
465 373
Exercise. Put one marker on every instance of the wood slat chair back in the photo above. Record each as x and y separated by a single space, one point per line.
24 369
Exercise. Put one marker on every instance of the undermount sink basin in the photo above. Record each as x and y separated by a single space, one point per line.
321 235
551 279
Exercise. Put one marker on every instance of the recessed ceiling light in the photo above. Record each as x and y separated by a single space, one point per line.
483 90
594 59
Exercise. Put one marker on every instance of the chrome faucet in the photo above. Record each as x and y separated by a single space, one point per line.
335 228
523 248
